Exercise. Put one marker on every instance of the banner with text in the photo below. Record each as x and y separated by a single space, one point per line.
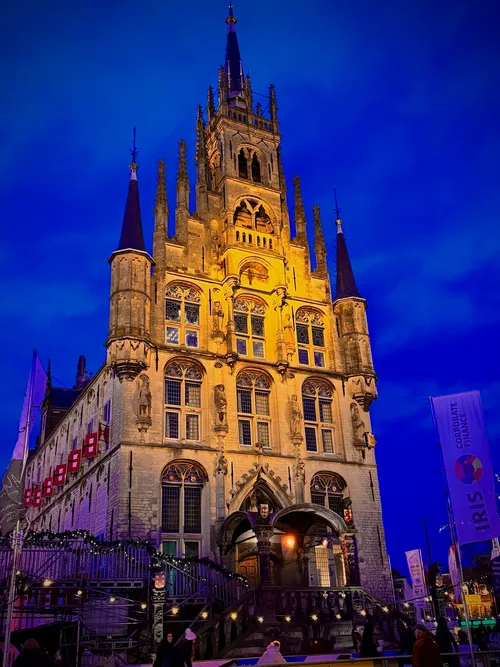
416 567
466 453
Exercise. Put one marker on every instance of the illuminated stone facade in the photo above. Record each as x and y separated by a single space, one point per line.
238 379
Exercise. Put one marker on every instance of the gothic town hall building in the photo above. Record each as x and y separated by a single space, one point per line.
231 418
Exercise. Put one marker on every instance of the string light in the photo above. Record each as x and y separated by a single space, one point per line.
288 619
261 619
204 615
79 592
314 617
386 609
233 615
144 605
338 617
112 599
363 612
47 582
175 611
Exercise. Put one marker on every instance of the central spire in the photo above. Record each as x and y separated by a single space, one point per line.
132 236
232 66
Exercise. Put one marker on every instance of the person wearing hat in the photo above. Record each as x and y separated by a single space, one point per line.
426 651
182 654
33 656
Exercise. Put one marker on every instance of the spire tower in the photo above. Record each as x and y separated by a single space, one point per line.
299 212
345 283
132 236
232 66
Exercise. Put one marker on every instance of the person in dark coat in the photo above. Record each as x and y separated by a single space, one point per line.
182 654
33 656
165 647
446 643
368 648
426 651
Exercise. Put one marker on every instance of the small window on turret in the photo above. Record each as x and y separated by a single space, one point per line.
255 170
242 165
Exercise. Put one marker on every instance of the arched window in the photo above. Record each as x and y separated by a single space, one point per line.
255 169
181 511
242 165
317 404
310 337
249 327
182 314
182 401
254 415
329 490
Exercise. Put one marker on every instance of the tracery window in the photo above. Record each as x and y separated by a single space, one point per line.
182 315
249 328
182 401
181 512
328 489
310 331
317 404
253 393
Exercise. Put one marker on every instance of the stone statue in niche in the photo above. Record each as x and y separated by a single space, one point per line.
145 398
358 425
289 336
294 415
216 248
217 316
220 401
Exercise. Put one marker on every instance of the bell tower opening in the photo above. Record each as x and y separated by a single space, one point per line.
242 165
255 170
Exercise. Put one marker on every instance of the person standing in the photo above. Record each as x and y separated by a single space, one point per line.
272 655
33 656
426 651
165 648
446 643
368 648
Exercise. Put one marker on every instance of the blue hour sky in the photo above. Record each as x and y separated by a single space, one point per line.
396 104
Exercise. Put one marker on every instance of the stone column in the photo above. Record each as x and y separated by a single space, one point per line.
264 535
158 599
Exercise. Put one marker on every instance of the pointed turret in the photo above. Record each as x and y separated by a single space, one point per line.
201 167
273 103
345 284
160 233
210 103
182 210
299 212
130 300
81 372
319 243
232 66
132 236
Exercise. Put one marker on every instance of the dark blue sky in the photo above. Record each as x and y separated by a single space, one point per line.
395 103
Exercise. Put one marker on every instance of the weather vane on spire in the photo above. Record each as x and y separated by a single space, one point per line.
231 18
337 209
134 152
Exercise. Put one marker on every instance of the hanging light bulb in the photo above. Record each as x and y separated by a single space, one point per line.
314 617
204 615
233 615
261 619
338 617
363 612
175 611
79 592
288 619
144 605
47 582
112 599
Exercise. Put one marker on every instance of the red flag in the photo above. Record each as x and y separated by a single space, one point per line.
91 445
36 497
75 460
27 497
47 487
60 474
103 433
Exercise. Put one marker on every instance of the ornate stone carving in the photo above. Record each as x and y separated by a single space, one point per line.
220 402
294 416
358 425
220 464
363 390
217 318
145 398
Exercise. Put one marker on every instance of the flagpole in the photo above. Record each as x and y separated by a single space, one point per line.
456 544
18 537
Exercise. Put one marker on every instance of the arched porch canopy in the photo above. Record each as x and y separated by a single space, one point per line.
304 516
